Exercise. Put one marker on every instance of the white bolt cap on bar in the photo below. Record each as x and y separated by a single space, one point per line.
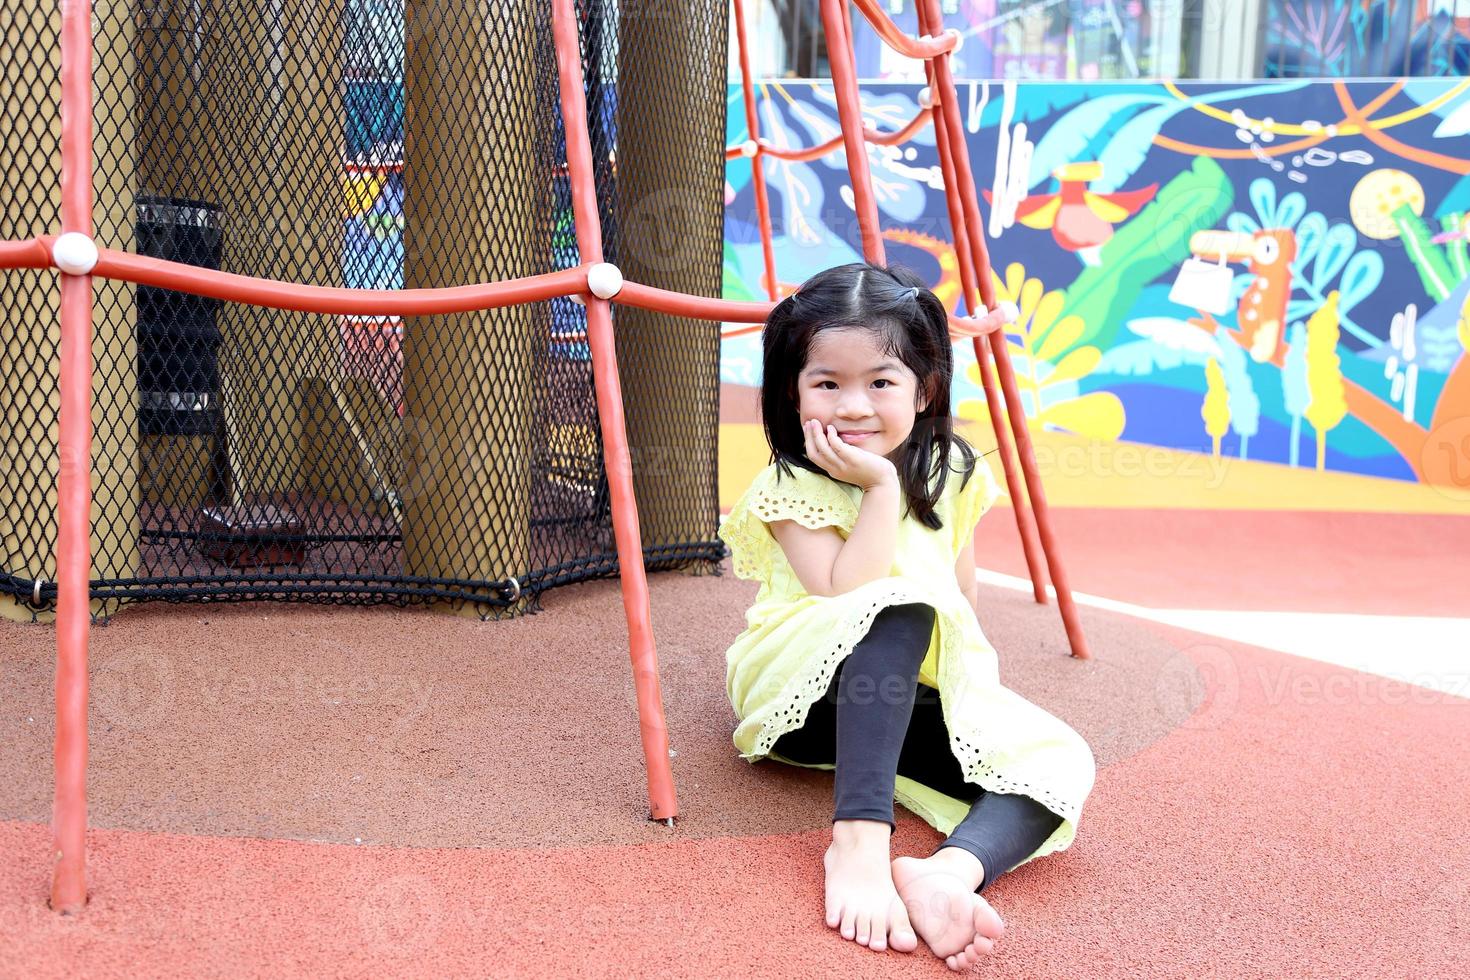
959 39
1009 310
74 253
605 280
749 148
926 98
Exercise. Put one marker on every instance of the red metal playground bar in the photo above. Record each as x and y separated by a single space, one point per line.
75 255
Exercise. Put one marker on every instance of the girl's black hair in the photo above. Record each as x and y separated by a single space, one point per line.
913 327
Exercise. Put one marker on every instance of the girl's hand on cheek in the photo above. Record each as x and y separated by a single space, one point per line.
849 464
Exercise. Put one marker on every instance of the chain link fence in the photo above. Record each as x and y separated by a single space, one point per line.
242 452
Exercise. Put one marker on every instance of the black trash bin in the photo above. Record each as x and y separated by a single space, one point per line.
178 336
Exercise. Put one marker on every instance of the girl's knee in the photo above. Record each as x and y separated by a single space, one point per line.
898 639
1080 754
913 621
916 612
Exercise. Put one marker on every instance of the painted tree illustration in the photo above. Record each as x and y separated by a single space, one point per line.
1243 404
1216 409
1324 375
1294 386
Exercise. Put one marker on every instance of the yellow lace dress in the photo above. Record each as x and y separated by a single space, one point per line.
785 658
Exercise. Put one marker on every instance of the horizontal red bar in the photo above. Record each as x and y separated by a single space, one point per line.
896 39
960 328
682 304
148 271
34 254
871 135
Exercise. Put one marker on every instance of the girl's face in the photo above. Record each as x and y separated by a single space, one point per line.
871 398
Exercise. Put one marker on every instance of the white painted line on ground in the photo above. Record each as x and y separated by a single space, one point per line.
1430 651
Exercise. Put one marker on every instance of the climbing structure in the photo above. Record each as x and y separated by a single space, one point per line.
251 525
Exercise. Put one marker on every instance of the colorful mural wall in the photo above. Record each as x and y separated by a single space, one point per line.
1274 271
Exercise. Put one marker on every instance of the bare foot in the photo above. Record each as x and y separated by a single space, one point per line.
958 925
861 899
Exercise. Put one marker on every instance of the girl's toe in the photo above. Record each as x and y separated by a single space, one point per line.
987 922
902 937
877 933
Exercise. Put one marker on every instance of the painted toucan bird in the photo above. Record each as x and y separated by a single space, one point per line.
1261 312
1080 220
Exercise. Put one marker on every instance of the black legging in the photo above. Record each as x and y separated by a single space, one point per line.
877 721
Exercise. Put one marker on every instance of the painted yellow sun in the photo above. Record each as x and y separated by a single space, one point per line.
1378 195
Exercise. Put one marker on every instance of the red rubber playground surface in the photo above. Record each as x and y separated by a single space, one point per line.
78 258
297 791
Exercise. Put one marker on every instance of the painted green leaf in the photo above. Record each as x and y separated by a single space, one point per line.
1151 245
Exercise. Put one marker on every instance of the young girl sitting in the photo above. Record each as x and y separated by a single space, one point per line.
863 652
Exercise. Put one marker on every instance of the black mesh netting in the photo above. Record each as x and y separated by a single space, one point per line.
245 452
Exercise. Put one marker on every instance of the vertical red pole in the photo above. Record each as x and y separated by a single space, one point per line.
849 112
965 185
968 274
614 431
846 9
757 162
74 487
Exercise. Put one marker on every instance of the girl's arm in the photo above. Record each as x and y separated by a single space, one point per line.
827 565
823 562
964 573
